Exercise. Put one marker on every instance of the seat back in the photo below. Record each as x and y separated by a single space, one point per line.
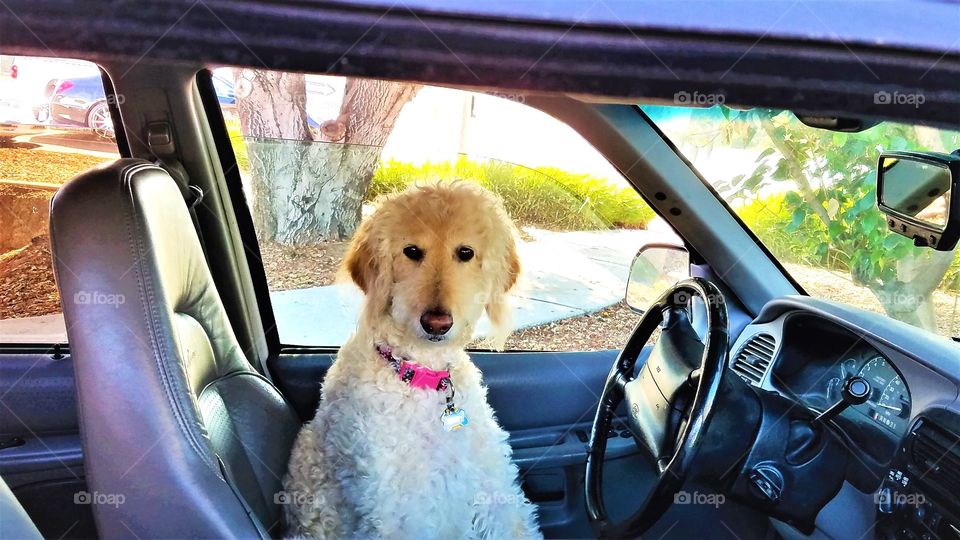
14 521
165 394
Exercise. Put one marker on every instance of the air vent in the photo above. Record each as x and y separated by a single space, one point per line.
935 453
754 358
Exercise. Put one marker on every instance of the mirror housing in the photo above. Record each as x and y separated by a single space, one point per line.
655 268
917 191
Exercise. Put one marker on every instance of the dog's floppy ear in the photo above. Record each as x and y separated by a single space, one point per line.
498 307
361 259
367 269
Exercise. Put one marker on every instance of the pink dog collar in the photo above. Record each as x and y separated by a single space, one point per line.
415 375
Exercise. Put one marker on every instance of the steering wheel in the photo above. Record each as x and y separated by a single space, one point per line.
670 403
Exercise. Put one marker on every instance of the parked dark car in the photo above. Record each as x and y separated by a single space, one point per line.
80 101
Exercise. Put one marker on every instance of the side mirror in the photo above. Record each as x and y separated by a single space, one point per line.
917 191
655 268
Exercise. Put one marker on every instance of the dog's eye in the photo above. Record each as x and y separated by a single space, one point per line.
413 253
464 253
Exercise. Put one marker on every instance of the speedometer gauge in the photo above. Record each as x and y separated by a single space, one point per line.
889 402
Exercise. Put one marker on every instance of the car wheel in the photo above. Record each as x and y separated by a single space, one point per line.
98 119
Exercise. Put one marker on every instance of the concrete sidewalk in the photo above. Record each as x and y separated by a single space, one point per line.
566 274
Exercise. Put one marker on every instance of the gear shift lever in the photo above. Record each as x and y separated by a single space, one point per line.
855 391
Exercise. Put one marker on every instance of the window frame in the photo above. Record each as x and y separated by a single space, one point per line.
247 232
58 350
238 202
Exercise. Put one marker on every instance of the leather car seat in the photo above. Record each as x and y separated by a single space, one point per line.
175 423
14 521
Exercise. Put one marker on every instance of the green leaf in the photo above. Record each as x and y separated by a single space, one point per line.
892 241
840 138
835 229
766 152
799 215
867 202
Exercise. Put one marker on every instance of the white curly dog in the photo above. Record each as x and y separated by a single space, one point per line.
404 443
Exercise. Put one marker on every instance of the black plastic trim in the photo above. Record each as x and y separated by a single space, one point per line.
811 75
113 103
238 200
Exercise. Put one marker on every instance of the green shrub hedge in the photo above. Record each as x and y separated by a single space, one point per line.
770 219
549 198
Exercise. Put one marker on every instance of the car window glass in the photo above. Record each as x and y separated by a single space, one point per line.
810 196
315 151
54 124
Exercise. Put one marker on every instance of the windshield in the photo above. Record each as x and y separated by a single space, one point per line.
810 196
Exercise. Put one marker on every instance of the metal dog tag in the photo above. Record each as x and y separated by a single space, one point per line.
454 419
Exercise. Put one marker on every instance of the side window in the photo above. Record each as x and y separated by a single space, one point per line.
54 124
315 151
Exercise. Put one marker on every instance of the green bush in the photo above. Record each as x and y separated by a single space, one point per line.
771 219
548 198
238 142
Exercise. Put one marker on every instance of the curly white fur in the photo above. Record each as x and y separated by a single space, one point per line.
376 461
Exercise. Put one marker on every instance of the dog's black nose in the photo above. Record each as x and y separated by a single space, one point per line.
436 322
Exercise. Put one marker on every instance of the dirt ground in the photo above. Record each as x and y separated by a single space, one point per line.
839 287
27 287
28 165
608 328
303 266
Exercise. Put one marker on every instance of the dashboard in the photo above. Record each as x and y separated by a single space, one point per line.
807 349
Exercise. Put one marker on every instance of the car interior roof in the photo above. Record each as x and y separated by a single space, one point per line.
832 74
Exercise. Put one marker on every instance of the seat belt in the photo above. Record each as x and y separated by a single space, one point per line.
161 144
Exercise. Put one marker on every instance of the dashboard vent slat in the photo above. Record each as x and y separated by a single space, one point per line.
935 452
754 358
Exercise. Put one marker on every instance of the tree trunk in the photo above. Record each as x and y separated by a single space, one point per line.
367 115
273 114
910 297
305 191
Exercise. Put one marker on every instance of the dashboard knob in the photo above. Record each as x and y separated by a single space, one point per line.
856 390
767 483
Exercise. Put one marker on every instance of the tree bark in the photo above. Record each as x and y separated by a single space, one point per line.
910 297
367 116
306 191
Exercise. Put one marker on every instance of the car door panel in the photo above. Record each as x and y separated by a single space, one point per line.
41 457
545 400
526 389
